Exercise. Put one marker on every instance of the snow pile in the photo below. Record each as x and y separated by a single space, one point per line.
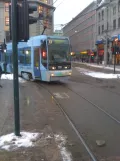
101 66
10 77
61 141
12 142
98 74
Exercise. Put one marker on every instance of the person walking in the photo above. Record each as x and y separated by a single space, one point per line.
0 75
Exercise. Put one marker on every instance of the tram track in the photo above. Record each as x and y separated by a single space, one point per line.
92 156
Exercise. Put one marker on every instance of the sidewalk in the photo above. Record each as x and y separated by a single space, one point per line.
38 114
109 67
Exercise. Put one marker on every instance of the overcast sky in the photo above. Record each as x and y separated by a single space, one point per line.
68 10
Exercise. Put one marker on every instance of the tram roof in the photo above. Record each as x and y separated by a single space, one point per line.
34 41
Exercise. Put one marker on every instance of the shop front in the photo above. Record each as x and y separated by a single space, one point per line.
84 56
91 55
100 50
117 57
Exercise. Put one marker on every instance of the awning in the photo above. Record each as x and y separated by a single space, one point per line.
83 52
99 42
113 37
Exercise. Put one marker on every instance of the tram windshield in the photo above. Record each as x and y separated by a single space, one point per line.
58 50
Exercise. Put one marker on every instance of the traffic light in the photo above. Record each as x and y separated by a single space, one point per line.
23 19
28 20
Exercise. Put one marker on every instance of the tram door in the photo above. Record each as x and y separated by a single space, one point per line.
37 62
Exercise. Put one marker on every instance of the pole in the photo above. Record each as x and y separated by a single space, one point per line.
15 67
114 58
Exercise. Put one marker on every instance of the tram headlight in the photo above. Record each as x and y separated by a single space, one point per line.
52 74
66 67
53 68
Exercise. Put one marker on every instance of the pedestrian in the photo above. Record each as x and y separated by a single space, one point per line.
0 75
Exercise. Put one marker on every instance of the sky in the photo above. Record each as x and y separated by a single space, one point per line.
67 10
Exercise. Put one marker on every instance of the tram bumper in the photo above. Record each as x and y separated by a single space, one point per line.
60 75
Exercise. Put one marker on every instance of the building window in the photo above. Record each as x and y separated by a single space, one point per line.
119 6
6 7
114 24
119 22
107 25
99 30
102 15
102 28
114 10
6 21
99 16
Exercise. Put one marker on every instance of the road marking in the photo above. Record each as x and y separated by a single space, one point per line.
61 95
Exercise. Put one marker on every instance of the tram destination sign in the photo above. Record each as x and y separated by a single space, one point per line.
58 41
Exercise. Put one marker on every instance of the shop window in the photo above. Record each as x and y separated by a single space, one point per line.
6 21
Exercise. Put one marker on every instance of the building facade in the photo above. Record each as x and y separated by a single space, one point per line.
108 28
82 30
43 6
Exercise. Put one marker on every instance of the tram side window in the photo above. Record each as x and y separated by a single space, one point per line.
36 57
9 57
21 56
0 56
27 56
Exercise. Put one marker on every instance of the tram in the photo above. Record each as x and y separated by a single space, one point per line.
45 58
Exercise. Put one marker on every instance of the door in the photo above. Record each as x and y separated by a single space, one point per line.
37 63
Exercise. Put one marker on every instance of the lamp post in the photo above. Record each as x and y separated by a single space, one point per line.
115 51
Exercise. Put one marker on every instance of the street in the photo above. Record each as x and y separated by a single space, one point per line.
84 109
93 106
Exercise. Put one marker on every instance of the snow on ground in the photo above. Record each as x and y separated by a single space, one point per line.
10 77
61 141
11 142
100 66
98 74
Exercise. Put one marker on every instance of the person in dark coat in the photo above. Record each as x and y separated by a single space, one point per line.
0 76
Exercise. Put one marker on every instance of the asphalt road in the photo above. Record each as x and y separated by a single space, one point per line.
98 117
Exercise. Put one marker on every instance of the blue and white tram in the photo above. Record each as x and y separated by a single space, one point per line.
43 58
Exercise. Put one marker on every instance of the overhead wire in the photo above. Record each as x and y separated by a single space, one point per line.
54 2
60 4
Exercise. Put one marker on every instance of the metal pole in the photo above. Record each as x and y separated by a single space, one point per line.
114 58
15 67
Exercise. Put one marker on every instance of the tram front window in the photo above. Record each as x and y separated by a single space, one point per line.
58 50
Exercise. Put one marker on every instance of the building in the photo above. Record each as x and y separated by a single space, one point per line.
108 28
58 32
43 7
82 30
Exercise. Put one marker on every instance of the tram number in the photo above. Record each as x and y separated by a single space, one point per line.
61 95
